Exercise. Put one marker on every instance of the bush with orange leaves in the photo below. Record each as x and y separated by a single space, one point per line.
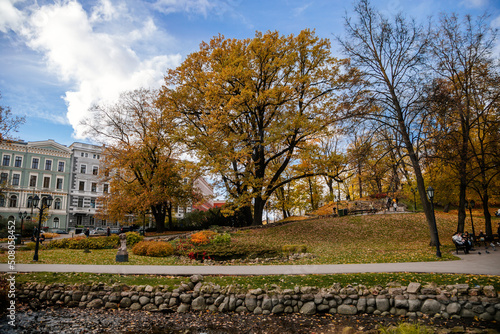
202 237
153 248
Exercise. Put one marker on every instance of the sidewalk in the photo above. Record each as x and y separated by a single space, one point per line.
473 263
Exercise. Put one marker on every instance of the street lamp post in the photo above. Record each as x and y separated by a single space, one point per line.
45 203
430 193
22 215
413 190
471 205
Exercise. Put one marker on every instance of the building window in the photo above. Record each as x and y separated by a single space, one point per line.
4 177
30 202
92 221
59 183
94 187
60 168
81 186
34 163
80 202
105 188
95 170
33 181
13 201
86 155
48 164
57 204
46 182
15 179
6 160
95 156
81 154
2 200
92 203
18 162
56 222
83 169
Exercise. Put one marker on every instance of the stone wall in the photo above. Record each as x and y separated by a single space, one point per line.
412 301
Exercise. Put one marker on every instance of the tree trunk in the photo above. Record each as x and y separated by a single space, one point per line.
462 214
258 208
487 215
159 215
170 220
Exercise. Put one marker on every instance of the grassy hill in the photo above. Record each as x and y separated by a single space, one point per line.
364 239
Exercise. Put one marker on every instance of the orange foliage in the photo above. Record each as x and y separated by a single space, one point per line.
202 238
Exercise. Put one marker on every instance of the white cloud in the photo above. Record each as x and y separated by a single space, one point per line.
10 16
474 3
97 63
203 7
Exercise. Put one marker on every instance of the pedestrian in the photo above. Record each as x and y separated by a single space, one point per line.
87 232
108 232
395 204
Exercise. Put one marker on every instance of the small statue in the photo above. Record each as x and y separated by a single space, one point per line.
122 255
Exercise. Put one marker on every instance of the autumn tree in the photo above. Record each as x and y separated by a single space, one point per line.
141 155
465 98
248 105
389 55
8 123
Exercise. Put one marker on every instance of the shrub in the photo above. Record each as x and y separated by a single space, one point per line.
183 246
133 238
294 249
222 252
30 245
153 248
224 238
83 242
202 237
141 248
160 249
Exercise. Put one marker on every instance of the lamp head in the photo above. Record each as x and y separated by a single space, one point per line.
48 200
36 201
430 192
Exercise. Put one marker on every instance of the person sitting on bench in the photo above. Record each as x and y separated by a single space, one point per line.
458 240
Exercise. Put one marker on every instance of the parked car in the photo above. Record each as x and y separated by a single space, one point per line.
61 232
99 231
125 229
115 231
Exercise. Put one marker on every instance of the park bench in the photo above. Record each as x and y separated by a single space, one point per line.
459 247
354 212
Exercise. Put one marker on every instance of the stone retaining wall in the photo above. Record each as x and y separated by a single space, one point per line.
413 301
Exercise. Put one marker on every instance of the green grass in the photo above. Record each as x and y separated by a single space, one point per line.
253 282
352 239
363 239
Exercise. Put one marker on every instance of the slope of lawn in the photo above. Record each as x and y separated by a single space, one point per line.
365 239
353 239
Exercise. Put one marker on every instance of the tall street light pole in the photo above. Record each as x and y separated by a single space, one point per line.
471 204
22 215
430 194
45 204
413 190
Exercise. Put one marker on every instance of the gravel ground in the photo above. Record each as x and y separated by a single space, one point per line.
78 321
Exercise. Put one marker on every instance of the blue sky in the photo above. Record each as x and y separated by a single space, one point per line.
57 58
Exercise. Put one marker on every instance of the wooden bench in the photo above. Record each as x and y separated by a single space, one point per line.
354 212
460 247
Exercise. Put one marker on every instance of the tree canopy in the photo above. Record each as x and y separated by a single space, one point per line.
249 105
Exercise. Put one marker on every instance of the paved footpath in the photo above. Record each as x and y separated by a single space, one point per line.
473 263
